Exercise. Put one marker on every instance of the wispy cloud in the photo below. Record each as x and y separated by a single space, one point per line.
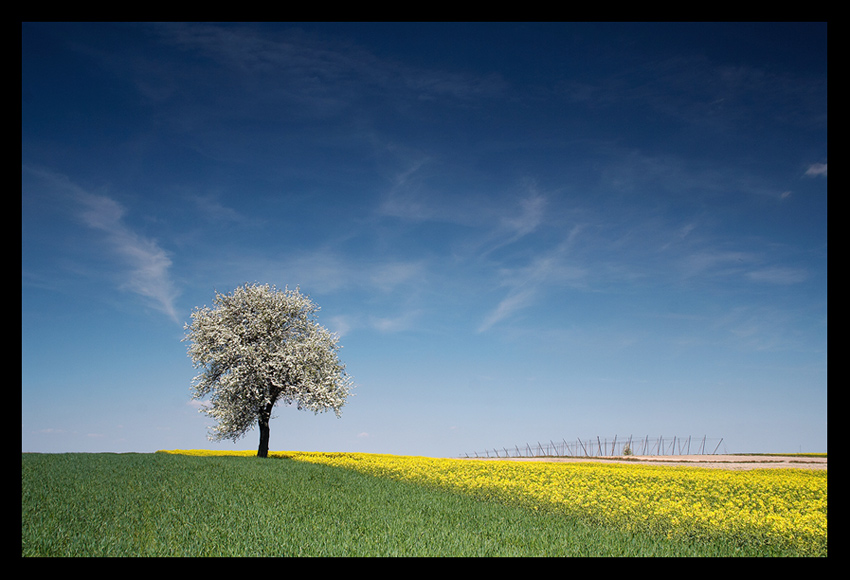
816 170
326 74
527 282
389 275
500 217
216 212
410 195
529 217
492 222
716 263
679 235
404 321
757 328
346 323
325 271
341 325
516 221
778 275
516 300
144 264
388 291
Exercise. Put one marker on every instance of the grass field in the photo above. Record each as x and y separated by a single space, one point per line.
319 504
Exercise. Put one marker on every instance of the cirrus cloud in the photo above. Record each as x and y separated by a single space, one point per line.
144 266
816 169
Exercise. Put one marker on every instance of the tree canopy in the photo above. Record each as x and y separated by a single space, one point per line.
259 346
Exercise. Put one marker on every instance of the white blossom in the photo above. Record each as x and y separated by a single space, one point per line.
258 347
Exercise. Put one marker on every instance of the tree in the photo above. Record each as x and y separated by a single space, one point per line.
257 347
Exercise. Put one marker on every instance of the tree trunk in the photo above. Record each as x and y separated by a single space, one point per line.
263 450
265 416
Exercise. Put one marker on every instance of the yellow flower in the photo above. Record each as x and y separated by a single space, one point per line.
782 506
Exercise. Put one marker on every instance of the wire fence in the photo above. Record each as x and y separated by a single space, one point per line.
605 447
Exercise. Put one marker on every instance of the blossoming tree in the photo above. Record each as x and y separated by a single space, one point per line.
259 346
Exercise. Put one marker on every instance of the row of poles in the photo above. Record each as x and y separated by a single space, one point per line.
600 448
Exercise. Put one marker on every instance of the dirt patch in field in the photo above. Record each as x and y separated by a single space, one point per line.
710 461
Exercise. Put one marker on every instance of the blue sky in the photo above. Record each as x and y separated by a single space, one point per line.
521 232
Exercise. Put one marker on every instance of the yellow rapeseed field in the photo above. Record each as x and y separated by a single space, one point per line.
770 507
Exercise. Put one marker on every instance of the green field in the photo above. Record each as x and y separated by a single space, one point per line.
177 505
